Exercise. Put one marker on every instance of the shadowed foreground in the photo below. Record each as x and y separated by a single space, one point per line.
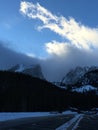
36 123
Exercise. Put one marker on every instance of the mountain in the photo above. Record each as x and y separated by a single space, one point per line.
81 86
33 70
81 76
74 75
19 92
90 77
80 80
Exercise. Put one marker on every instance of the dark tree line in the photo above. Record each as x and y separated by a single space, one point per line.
19 92
23 93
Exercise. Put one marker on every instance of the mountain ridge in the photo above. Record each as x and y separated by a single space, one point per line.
79 78
33 70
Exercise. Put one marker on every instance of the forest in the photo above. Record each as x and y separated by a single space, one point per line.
23 93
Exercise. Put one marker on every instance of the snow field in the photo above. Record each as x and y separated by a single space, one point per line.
12 115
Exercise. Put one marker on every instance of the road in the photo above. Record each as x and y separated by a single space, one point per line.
87 122
36 123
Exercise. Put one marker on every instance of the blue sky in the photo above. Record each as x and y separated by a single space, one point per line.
20 32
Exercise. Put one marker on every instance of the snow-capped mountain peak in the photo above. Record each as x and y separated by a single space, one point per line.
74 75
33 70
80 80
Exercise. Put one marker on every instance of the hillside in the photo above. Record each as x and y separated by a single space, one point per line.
19 92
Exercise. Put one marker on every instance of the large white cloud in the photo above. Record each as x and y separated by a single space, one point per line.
81 48
79 35
57 48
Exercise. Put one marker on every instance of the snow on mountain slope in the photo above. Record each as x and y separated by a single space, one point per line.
75 75
33 70
17 68
85 88
20 68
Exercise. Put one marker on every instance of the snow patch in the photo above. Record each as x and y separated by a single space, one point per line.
76 119
84 88
20 68
69 112
12 116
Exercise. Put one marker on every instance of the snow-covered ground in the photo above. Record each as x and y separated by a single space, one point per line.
68 124
12 116
84 88
69 112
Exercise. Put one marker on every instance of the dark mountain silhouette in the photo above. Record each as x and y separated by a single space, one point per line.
19 92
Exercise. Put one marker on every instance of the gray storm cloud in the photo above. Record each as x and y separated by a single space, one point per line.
9 57
55 66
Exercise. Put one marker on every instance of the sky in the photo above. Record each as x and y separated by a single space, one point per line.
60 34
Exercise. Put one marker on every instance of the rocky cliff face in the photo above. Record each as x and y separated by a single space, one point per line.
81 75
33 70
81 79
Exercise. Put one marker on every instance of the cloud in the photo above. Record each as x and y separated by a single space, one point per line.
56 67
56 48
9 57
77 34
53 68
81 48
30 55
35 11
